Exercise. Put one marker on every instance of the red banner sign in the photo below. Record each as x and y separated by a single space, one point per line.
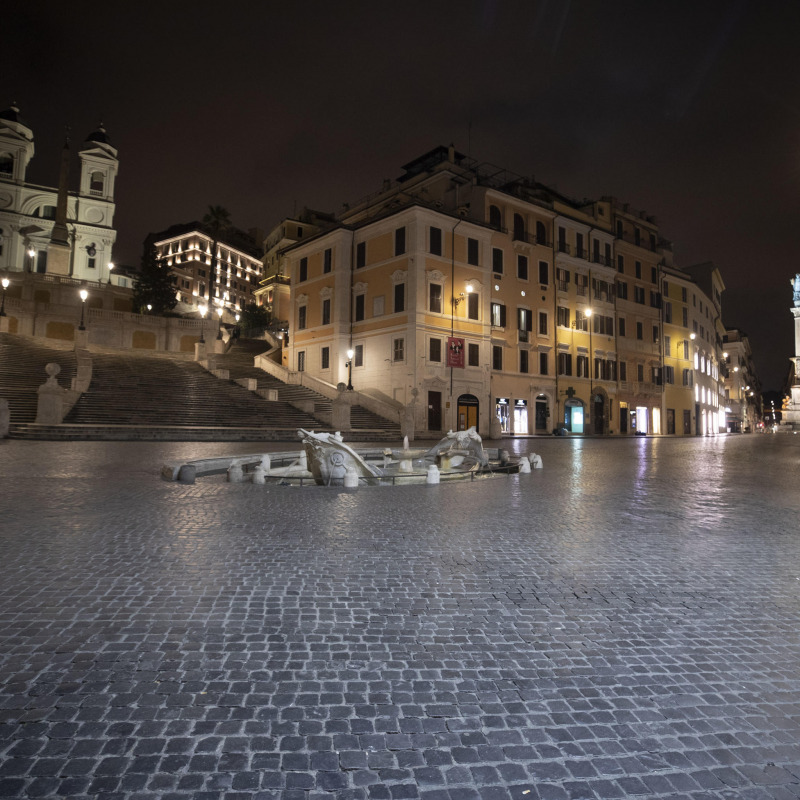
455 351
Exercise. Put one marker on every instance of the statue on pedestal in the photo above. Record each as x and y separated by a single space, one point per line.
796 287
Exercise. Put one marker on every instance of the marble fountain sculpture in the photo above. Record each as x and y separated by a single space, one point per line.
326 460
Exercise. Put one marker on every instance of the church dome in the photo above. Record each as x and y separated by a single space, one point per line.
99 135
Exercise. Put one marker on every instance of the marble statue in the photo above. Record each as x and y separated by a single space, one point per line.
796 287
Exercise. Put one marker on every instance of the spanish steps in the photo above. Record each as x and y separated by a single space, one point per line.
139 395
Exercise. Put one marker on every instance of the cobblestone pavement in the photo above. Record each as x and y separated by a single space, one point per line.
623 623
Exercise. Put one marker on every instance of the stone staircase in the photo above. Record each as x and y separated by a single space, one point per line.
239 362
143 396
22 363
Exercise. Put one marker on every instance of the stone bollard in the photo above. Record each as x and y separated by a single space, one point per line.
536 461
433 475
235 474
266 463
187 473
258 475
351 478
524 464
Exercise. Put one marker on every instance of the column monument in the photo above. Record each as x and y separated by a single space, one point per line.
791 415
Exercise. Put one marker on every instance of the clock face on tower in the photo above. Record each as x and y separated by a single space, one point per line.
91 249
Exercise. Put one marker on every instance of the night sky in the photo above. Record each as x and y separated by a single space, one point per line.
687 110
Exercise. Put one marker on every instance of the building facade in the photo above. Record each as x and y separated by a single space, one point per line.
55 230
469 296
186 250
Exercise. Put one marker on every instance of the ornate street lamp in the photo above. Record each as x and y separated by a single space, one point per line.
349 365
203 310
5 283
84 294
110 268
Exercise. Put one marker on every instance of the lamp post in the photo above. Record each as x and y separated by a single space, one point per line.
5 282
219 322
110 268
31 255
349 365
202 310
84 294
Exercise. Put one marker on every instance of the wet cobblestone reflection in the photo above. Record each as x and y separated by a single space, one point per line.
623 623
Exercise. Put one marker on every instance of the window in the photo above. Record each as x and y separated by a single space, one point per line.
669 375
543 364
656 334
579 251
688 377
683 293
326 311
435 350
582 364
542 323
622 290
495 218
91 262
435 298
640 373
637 236
541 233
522 267
523 361
497 357
399 241
621 324
325 358
639 331
637 266
544 273
655 299
301 318
472 252
497 260
358 355
564 364
96 183
473 304
436 241
327 260
360 307
581 283
562 279
473 355
667 312
653 275
519 228
301 361
623 370
399 297
581 321
685 317
6 164
562 241
562 318
655 375
361 254
638 294
620 264
398 350
498 315
303 276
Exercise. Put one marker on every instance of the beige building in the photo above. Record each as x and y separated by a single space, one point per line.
466 295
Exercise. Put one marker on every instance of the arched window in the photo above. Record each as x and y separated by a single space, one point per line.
519 228
541 233
495 218
6 164
96 183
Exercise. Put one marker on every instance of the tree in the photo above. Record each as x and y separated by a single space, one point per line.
154 286
216 222
254 317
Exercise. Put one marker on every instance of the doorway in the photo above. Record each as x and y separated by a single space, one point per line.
599 413
434 411
468 411
541 414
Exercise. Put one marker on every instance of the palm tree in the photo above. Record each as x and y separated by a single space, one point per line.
216 222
